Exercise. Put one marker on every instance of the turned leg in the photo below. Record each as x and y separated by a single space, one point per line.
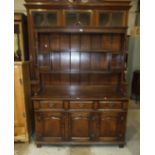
121 145
38 145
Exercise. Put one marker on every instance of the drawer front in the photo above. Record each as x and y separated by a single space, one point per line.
48 105
110 105
81 105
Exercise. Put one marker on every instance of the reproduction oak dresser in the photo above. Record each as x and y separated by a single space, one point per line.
77 54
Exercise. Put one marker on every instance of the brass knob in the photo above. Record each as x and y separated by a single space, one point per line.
92 135
81 105
93 118
51 105
111 104
39 119
122 118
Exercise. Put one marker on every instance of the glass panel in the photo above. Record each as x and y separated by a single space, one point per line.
71 18
51 19
38 19
45 19
84 18
117 19
104 19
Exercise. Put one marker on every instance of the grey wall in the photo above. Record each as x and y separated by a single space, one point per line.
133 59
19 6
134 44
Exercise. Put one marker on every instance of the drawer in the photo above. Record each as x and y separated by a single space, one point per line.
81 105
110 105
48 105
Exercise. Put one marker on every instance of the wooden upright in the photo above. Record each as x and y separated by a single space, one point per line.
77 53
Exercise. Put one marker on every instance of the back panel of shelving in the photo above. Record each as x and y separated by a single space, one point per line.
91 59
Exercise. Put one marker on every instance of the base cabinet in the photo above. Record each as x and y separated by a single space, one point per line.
58 125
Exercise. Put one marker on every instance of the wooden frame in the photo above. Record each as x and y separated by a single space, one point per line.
78 75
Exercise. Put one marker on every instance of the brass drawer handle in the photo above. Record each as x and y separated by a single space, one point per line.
81 105
51 105
93 118
122 118
111 104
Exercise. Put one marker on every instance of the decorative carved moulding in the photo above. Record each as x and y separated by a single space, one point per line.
114 2
82 4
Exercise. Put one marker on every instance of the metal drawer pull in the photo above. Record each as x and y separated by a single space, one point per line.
111 104
81 105
51 105
93 118
122 118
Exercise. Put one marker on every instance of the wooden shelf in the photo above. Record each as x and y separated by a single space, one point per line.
89 51
92 30
117 71
76 92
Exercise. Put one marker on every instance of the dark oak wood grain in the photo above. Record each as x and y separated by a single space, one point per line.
77 54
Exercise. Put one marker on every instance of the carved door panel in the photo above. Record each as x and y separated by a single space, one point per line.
111 126
79 126
50 126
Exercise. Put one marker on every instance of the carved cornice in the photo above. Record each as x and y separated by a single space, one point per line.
99 4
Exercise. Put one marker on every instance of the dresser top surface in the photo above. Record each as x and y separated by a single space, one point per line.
76 92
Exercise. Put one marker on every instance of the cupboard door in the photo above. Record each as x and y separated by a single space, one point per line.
111 18
79 126
117 19
70 18
78 18
104 19
111 126
50 126
46 18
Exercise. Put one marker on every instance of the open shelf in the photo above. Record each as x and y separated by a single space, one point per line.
77 92
93 30
116 71
89 51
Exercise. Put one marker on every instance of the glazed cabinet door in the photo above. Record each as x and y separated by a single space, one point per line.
46 18
81 18
111 18
50 126
111 126
79 126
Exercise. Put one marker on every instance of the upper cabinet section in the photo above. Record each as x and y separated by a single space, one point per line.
78 13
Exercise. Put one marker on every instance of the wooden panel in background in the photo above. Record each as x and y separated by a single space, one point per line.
22 104
106 42
116 42
75 55
55 42
85 42
96 42
44 42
